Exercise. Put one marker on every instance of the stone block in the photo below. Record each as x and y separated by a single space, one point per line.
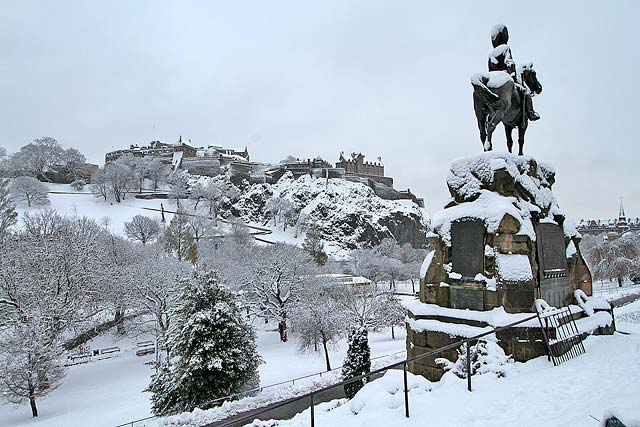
508 224
438 339
443 298
512 243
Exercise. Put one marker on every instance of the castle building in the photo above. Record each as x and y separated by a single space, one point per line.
357 167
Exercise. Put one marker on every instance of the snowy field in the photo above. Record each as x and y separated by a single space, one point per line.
106 393
86 204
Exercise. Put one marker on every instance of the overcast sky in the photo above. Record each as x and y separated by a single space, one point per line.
389 79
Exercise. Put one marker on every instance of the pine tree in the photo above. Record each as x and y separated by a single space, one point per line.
314 246
357 362
178 237
213 350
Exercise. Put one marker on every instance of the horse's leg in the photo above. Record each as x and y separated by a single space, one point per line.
492 121
507 131
521 131
481 116
482 126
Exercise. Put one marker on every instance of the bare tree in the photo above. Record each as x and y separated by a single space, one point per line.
120 178
199 225
142 228
178 186
39 157
278 274
317 320
157 172
615 259
30 190
8 214
30 363
100 184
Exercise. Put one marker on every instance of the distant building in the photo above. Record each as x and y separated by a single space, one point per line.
357 167
611 227
162 150
308 167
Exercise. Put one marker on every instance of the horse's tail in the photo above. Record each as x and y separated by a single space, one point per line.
479 83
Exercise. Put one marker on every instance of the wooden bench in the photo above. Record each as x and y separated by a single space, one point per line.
145 347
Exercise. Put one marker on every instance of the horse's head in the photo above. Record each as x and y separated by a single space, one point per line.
530 79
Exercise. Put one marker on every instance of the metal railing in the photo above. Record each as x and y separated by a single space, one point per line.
253 391
403 364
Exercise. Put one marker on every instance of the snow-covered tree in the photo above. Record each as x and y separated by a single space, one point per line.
142 229
29 190
357 362
315 247
615 259
120 178
280 209
200 226
213 349
317 320
30 361
155 287
393 315
38 158
278 273
8 214
178 185
157 172
78 184
73 164
100 184
178 238
364 305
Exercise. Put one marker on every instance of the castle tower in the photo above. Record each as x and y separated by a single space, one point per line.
622 218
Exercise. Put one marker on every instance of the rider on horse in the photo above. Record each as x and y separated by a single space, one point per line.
500 59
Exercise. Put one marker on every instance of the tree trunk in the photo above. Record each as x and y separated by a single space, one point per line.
282 328
118 318
619 281
413 286
326 354
393 333
32 400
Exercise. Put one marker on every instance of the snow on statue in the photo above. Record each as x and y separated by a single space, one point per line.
504 93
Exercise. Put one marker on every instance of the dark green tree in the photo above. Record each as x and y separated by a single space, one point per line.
357 362
313 245
212 349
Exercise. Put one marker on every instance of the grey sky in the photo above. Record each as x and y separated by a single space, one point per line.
389 79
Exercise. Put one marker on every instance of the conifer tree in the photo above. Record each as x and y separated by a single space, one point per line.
314 246
357 362
213 350
178 238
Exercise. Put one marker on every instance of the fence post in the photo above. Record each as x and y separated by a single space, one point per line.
406 392
313 422
469 366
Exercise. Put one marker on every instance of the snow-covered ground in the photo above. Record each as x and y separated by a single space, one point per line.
109 392
86 204
579 392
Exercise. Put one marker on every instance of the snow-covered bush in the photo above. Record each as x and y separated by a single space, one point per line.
486 357
213 349
78 184
357 362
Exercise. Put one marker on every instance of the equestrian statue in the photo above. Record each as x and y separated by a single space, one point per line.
504 94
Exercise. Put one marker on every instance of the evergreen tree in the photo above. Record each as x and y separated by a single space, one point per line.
357 362
213 350
178 237
314 246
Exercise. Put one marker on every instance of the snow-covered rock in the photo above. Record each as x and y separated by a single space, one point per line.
348 214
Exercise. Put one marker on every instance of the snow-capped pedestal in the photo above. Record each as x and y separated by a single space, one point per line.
500 243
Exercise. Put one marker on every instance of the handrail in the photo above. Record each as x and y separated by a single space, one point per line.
310 395
259 389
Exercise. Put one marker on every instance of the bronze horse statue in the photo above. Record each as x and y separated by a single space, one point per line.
497 98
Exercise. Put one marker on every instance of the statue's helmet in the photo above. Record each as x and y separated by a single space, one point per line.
499 35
